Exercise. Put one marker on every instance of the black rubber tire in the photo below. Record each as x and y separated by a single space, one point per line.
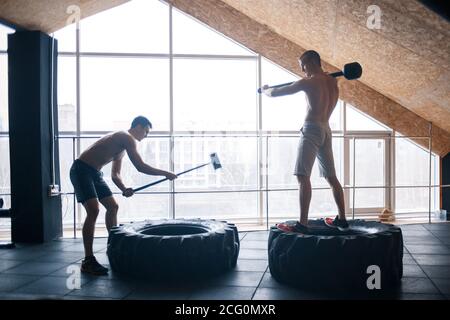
175 249
337 260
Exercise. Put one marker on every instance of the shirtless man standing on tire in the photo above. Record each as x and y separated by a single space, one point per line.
90 188
322 94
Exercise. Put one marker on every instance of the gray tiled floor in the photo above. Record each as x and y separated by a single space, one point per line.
116 289
40 271
413 271
408 259
252 265
223 293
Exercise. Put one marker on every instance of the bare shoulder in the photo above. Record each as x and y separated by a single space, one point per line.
304 81
303 84
309 83
124 138
332 79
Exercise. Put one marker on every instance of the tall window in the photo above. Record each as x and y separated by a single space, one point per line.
5 187
412 173
200 94
4 139
4 31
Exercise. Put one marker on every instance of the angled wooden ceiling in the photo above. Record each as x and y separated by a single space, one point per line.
407 61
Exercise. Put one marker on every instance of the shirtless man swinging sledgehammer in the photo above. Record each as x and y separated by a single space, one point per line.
90 188
322 94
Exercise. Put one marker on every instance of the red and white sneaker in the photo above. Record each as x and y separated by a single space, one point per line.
298 228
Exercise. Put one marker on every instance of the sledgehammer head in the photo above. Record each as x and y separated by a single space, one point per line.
215 161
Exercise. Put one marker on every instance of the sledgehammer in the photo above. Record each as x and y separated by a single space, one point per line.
214 161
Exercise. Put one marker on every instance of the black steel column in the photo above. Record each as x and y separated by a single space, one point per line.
445 169
36 217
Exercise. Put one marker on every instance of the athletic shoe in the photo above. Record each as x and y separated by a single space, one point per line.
298 228
91 266
341 225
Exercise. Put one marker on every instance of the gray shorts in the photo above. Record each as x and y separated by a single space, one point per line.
315 141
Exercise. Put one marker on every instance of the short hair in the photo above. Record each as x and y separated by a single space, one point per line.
140 120
311 55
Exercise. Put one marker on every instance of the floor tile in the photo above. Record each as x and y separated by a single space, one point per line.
8 264
237 278
411 227
437 226
55 245
61 256
427 249
445 240
253 244
79 247
13 282
283 294
432 259
159 294
417 285
441 233
48 286
253 254
413 271
420 296
270 282
28 296
223 293
251 265
70 297
36 268
258 235
63 272
437 271
242 235
407 259
416 233
104 289
428 240
442 284
23 255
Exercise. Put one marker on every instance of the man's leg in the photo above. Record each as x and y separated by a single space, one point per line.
90 264
328 170
310 138
92 210
111 207
338 195
304 197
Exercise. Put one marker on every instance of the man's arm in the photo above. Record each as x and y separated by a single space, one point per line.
115 172
295 87
140 165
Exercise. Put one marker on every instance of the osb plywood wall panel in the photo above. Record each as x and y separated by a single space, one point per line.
49 15
284 51
409 57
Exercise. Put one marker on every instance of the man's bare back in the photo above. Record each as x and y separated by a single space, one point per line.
322 94
108 148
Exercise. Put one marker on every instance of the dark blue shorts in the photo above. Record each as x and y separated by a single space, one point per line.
88 182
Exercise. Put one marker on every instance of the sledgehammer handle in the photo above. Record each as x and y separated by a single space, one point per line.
162 180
